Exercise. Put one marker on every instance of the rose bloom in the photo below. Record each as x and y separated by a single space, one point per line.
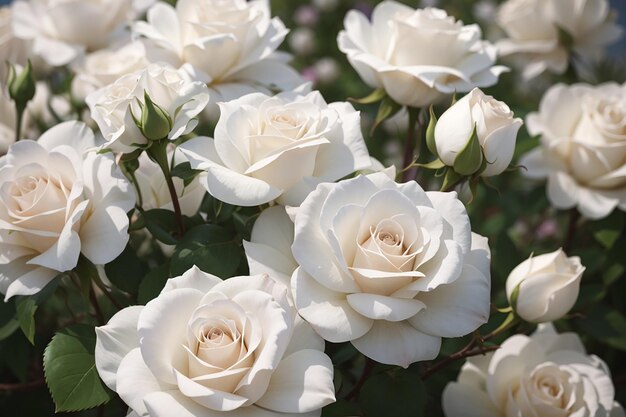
417 56
12 49
207 347
105 66
389 267
546 375
113 106
278 148
56 203
229 45
532 29
583 147
61 31
493 122
547 286
7 121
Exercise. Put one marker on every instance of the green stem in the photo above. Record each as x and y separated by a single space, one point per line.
158 153
19 116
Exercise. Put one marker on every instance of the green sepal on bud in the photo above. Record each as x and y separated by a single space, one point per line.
155 123
387 109
430 132
22 87
470 159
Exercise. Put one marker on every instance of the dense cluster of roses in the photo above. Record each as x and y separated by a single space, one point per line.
344 252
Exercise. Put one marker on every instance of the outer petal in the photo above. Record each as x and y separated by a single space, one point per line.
23 279
327 311
397 343
162 330
302 382
194 278
105 234
113 342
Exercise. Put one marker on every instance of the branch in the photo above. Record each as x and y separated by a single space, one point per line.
23 386
466 352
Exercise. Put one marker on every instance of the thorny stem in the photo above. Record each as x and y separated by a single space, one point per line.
574 215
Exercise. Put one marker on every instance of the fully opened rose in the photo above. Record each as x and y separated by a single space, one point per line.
278 148
229 45
389 267
417 56
546 375
207 347
58 201
583 147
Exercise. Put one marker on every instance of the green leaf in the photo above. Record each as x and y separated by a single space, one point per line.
606 325
399 394
608 230
470 159
185 172
126 271
8 328
430 133
211 248
387 108
162 224
25 308
152 283
341 408
451 177
70 370
373 97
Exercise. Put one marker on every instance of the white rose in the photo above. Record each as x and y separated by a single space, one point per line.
278 148
496 130
547 286
206 346
546 375
113 106
583 147
105 66
229 45
7 121
62 30
12 49
57 202
417 56
46 108
532 27
389 267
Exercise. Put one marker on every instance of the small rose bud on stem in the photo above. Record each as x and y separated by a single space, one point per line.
21 90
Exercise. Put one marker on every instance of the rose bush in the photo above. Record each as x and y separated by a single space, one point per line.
583 147
242 34
546 286
115 106
546 374
493 123
417 56
278 148
58 201
205 347
535 32
389 267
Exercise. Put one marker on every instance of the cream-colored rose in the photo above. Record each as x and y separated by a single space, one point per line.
58 201
388 267
547 286
114 106
417 56
229 45
544 375
7 121
12 49
494 124
278 148
583 147
533 26
61 31
207 347
105 66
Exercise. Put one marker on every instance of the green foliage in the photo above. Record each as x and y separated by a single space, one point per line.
399 393
70 370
